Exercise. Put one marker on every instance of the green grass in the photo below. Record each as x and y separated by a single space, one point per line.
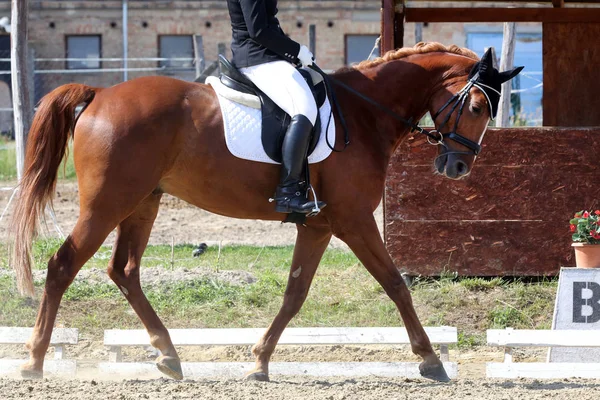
467 341
8 163
481 284
342 294
228 258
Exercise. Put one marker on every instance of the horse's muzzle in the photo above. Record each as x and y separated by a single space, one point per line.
456 168
451 165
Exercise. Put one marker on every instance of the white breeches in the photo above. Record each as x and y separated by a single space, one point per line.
285 86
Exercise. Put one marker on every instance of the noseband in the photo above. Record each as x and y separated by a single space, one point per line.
433 136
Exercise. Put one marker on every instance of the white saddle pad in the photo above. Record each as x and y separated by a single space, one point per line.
242 121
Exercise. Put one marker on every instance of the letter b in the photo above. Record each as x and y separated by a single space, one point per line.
579 302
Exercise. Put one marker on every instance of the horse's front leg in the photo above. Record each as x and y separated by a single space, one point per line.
360 232
311 243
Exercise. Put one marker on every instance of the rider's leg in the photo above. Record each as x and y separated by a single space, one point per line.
290 195
287 88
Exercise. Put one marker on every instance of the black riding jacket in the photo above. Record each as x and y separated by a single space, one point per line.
257 36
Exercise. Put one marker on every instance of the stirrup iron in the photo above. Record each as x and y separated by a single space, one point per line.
316 210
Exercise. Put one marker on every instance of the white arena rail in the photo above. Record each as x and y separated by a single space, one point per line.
60 338
116 339
510 338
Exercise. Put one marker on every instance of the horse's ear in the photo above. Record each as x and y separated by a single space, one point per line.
508 75
487 63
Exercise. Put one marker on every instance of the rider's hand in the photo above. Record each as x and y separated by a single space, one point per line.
305 56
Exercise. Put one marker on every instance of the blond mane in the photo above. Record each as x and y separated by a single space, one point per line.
419 48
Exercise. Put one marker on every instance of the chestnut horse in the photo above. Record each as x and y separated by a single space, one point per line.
154 135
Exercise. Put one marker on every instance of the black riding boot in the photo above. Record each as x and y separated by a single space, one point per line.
290 195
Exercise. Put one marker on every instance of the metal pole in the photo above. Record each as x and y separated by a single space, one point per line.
31 82
221 49
387 26
22 110
125 36
312 39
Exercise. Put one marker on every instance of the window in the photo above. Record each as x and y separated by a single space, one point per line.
176 46
358 47
5 53
526 98
83 47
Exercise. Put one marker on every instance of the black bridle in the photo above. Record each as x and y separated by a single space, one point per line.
434 136
459 99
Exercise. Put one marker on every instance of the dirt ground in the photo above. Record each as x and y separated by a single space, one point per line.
182 223
177 221
471 383
368 388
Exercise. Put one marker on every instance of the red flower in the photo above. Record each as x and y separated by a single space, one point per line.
573 228
597 212
595 235
586 214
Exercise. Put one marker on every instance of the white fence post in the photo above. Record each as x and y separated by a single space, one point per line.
512 338
506 62
116 339
199 55
114 354
20 74
61 337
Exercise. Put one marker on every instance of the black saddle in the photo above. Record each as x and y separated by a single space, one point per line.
275 121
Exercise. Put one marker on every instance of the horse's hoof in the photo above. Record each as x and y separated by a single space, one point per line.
29 373
435 372
170 366
257 376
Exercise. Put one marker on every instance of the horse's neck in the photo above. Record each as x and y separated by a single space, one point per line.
400 86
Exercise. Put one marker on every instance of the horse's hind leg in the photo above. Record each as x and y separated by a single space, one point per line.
86 238
364 240
124 269
311 243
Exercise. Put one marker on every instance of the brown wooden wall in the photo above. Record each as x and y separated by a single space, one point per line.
571 73
509 217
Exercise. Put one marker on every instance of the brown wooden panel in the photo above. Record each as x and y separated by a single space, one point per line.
499 14
387 26
571 64
498 193
516 147
522 191
399 30
480 248
535 2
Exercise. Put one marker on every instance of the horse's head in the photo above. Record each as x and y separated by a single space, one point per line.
461 113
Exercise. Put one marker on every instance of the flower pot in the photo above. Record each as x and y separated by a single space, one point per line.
587 255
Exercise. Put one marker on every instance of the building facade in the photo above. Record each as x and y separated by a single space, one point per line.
83 40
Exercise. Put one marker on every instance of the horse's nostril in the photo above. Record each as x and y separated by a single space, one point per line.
461 167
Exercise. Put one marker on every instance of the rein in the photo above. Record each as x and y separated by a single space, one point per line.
433 136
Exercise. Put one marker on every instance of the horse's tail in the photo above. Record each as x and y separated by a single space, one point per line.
46 147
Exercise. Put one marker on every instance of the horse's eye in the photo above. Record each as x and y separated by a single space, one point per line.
476 110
